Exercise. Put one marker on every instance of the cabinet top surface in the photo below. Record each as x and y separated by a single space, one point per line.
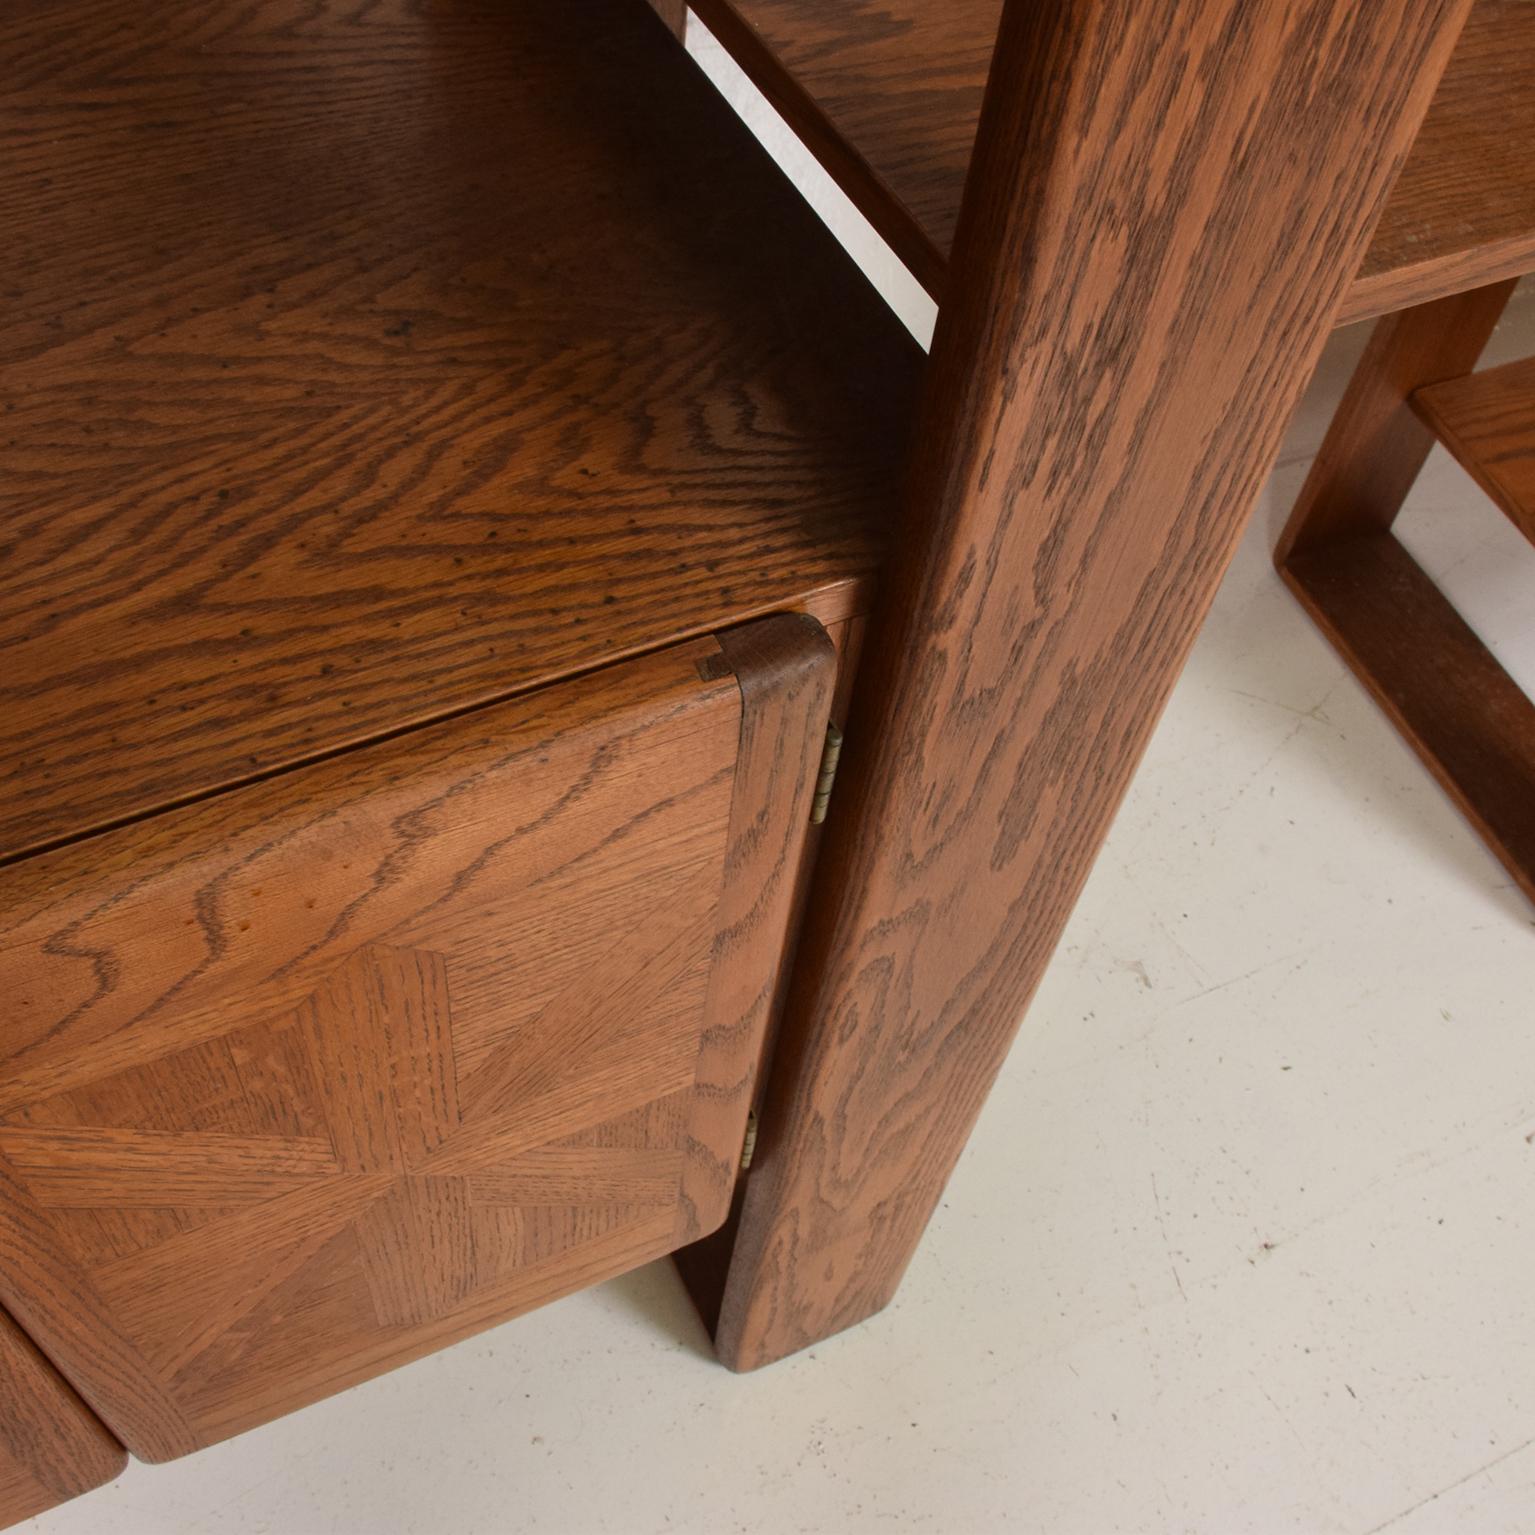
365 362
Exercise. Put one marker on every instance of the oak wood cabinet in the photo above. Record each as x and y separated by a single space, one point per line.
312 1077
433 436
412 513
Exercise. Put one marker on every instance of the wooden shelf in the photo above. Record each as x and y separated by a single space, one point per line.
1439 684
888 92
365 365
1487 420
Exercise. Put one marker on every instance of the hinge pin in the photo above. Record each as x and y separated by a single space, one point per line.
749 1145
831 754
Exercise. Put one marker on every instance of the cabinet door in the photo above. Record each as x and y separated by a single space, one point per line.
321 1073
51 1448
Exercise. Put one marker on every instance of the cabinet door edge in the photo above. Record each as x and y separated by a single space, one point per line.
785 667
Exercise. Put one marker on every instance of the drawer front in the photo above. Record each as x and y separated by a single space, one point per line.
308 1079
51 1448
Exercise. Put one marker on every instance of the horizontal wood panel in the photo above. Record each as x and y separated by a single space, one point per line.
315 1076
1442 688
1487 420
366 362
1462 213
888 93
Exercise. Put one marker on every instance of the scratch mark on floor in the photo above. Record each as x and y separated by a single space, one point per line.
1167 1246
1236 980
1497 1460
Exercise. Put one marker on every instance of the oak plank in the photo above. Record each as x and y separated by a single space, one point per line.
786 668
1168 202
298 1369
49 1293
231 1267
705 1263
1376 443
417 1246
1487 420
449 389
1465 717
80 1167
1447 694
559 1174
378 1031
1462 213
887 94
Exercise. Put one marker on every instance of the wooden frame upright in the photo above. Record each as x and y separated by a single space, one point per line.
1166 206
1471 723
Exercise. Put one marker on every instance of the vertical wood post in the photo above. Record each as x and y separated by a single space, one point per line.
1167 202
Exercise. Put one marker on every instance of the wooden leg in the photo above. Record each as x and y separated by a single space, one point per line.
1377 443
1467 719
1167 202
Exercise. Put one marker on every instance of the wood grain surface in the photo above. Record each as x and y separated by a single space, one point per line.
51 1447
786 668
1462 213
887 94
366 360
310 1078
1168 203
772 921
1467 719
1487 420
1438 683
1376 443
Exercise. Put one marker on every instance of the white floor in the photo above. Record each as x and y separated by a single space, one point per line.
1245 1240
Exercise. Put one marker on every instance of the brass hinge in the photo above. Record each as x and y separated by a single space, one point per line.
749 1145
831 754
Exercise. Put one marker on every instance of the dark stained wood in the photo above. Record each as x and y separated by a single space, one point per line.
674 13
51 1448
1462 213
1376 443
887 94
331 411
1107 392
787 670
1442 688
705 1263
1487 420
312 1077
